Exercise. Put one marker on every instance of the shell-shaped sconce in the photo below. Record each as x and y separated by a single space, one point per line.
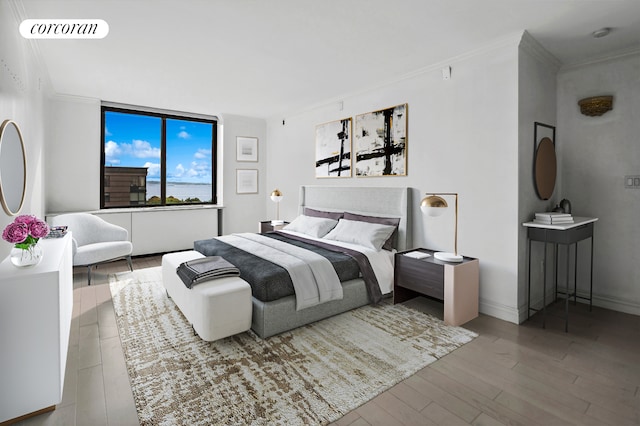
596 105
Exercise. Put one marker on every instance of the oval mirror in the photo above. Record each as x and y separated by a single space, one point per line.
545 168
13 168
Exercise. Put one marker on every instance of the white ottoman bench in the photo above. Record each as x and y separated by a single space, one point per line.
216 309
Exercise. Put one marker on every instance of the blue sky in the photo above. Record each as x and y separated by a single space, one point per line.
134 141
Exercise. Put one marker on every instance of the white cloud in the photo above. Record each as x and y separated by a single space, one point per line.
153 169
197 171
193 173
137 149
142 149
199 168
183 135
202 153
111 153
111 149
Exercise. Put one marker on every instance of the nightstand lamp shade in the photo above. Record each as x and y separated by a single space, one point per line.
276 197
434 205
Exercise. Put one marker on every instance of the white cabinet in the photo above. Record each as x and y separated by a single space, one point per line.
164 230
36 305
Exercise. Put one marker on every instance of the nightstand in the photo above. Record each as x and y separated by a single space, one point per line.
266 226
456 284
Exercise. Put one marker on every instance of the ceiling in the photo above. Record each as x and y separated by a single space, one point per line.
264 58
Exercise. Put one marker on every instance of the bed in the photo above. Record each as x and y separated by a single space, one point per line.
274 314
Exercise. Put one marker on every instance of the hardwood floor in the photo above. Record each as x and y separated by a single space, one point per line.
510 374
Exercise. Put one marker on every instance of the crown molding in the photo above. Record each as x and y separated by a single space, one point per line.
535 49
63 97
613 56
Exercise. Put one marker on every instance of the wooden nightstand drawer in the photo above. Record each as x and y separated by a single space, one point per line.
421 276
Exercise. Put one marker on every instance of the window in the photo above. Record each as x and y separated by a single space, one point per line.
156 159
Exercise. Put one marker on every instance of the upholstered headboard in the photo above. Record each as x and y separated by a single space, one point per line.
374 201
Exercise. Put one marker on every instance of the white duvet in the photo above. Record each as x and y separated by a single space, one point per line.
381 261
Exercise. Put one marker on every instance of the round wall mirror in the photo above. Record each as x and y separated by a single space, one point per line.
545 168
13 168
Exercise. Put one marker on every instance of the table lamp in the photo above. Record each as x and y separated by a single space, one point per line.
434 205
276 197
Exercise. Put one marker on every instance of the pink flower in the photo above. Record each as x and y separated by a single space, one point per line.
27 219
25 231
15 233
39 229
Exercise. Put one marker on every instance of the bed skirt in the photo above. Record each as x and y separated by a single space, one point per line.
278 316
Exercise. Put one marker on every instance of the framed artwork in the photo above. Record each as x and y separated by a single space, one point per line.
333 149
381 142
246 181
246 149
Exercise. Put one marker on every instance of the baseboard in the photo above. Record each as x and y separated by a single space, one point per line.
607 302
500 311
615 304
599 300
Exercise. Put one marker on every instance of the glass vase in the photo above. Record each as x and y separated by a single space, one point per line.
26 257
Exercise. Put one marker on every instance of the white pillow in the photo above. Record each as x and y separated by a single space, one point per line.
371 235
313 226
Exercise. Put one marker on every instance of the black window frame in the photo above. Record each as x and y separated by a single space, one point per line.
163 163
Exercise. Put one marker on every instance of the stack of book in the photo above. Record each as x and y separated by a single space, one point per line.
553 218
417 254
57 232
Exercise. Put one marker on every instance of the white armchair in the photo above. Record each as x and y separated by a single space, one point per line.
95 240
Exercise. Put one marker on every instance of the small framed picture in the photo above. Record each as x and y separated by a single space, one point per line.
246 149
246 181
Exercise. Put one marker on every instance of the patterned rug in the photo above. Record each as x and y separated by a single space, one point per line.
311 375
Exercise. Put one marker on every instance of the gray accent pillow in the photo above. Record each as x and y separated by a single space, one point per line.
392 221
321 213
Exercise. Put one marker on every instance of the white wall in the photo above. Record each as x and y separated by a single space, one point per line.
73 155
597 152
243 212
537 72
22 100
463 137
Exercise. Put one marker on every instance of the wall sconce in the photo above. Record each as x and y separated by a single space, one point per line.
276 197
434 205
596 105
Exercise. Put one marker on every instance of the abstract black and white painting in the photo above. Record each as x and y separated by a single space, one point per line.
333 149
381 142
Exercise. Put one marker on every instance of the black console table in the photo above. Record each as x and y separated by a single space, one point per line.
565 234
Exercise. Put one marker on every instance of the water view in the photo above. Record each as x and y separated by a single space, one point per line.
181 191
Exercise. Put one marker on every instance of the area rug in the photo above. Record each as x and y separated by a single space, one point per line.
311 375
